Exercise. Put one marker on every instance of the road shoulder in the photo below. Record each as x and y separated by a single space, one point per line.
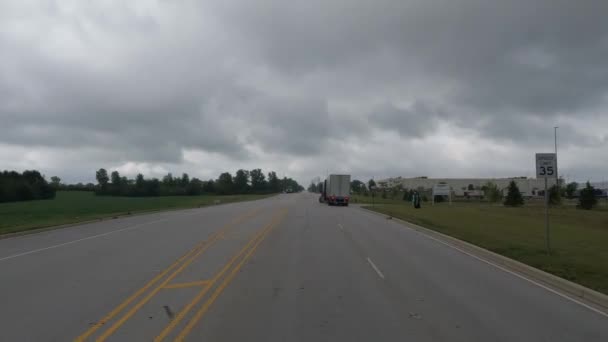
589 298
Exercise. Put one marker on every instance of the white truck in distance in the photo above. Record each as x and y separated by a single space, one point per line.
336 190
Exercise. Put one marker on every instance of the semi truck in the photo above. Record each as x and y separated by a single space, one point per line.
336 190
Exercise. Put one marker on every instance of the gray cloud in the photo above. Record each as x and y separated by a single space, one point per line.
306 86
417 120
541 58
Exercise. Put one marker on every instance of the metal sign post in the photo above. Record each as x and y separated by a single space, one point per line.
546 167
547 232
372 188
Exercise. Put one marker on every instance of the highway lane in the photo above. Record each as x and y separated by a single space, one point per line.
55 284
280 269
341 274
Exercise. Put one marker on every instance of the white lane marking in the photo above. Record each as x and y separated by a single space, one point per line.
79 240
340 226
518 275
375 268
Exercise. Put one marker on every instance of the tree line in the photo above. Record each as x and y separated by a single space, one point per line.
26 186
243 182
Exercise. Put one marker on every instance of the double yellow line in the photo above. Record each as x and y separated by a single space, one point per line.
180 264
244 254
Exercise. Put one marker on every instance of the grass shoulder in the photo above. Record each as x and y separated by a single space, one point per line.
79 206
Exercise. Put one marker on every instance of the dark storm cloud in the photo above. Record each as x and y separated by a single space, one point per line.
316 81
542 58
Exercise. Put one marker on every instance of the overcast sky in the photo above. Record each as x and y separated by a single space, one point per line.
442 88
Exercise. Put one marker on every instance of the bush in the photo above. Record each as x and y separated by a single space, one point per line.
555 197
492 192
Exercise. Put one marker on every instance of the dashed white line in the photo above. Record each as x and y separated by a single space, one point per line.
340 226
371 263
79 240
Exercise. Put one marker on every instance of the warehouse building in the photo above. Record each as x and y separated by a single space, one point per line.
529 187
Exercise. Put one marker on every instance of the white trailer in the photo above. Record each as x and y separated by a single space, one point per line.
337 190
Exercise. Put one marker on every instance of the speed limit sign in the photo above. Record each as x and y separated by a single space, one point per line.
546 165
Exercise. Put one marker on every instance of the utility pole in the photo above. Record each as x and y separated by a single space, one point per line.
556 174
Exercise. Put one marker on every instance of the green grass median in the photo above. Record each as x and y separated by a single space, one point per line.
579 238
78 206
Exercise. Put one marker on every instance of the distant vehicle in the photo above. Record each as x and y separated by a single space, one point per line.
289 190
336 190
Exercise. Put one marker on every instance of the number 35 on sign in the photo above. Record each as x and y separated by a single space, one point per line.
546 165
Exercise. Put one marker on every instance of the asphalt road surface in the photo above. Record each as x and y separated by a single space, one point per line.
281 269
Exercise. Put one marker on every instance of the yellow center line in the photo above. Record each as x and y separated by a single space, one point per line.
201 312
189 284
139 292
196 251
153 293
257 238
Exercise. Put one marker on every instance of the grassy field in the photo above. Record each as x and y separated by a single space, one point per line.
77 206
579 237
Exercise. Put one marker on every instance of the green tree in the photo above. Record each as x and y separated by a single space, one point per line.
168 179
587 199
273 182
115 178
140 186
29 185
209 186
258 180
514 197
102 178
116 185
225 184
195 187
571 189
241 181
185 180
139 180
55 182
371 184
357 186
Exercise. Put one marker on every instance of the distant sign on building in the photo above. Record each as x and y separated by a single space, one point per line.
442 189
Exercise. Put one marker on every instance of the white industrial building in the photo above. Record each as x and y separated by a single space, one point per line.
459 186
